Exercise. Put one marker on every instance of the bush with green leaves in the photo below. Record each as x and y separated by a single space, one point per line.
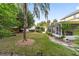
31 30
40 29
49 33
8 15
5 33
63 36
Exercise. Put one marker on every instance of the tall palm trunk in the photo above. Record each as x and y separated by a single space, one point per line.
25 9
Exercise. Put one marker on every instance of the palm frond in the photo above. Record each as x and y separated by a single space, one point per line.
43 7
36 10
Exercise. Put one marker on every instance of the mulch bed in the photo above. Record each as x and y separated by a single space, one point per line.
27 42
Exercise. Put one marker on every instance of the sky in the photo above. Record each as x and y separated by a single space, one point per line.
57 11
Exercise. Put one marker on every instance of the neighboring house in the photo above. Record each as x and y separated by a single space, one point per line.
32 28
73 20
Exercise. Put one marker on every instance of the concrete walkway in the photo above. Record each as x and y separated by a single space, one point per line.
67 45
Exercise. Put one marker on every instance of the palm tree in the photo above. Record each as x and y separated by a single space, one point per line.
38 7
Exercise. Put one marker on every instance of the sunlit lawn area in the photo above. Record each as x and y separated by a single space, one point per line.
42 43
76 41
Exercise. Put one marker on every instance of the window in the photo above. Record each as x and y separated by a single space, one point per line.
69 33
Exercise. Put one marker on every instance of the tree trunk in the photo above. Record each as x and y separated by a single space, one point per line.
25 9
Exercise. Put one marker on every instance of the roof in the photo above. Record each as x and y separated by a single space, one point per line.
73 13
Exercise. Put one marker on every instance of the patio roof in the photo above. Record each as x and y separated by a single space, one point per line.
73 13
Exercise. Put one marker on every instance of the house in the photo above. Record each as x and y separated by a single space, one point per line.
33 28
67 26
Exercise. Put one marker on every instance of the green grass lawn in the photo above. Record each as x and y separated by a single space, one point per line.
42 43
76 32
76 41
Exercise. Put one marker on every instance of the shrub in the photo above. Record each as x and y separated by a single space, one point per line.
32 30
62 37
5 33
49 33
40 29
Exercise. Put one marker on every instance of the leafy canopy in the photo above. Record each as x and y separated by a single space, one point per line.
30 19
8 14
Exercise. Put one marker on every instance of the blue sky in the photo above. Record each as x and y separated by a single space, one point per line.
57 10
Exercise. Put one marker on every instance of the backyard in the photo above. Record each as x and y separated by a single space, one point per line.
24 33
42 46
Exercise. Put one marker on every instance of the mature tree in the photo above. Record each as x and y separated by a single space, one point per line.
20 17
25 10
30 19
44 7
8 13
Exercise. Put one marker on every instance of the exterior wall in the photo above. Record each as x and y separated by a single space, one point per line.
74 19
57 30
